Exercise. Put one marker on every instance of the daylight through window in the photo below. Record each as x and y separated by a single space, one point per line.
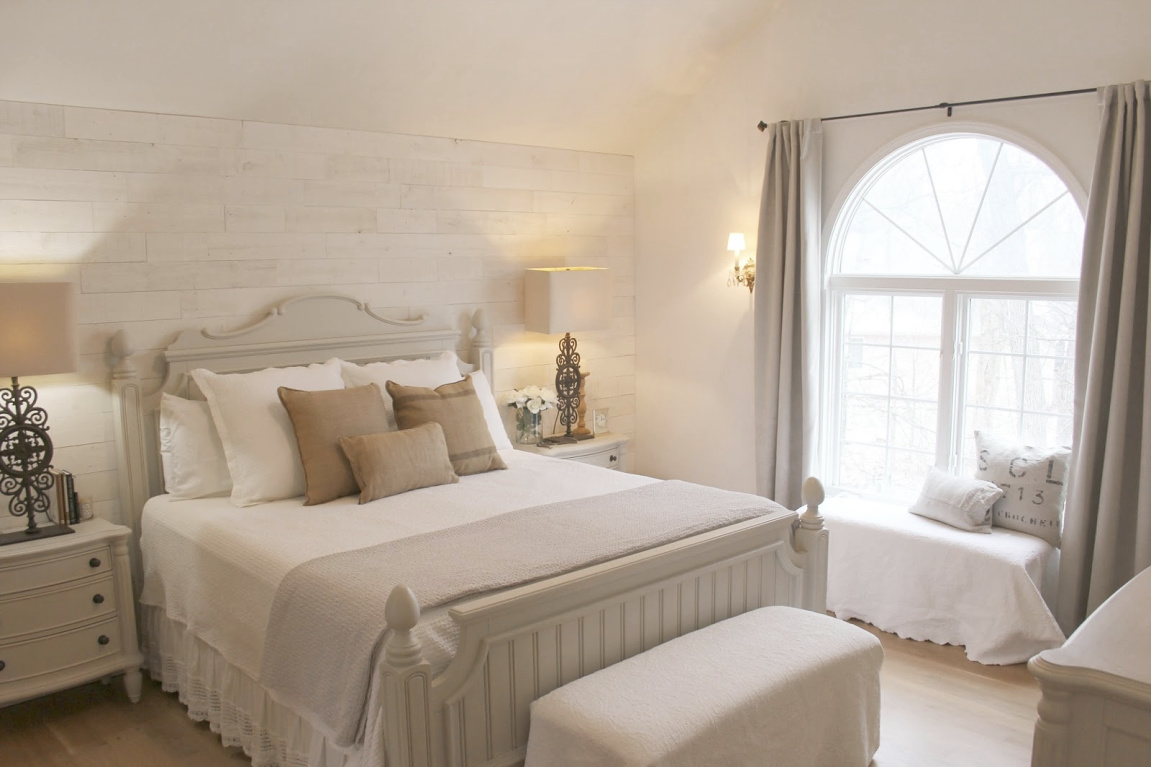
954 272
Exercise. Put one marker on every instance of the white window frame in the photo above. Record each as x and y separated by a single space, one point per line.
955 292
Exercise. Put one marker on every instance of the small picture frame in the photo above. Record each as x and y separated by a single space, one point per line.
599 418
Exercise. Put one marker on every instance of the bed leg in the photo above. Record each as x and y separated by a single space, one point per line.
405 685
811 539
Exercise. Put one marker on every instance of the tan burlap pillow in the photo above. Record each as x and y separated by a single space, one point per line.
319 419
457 409
398 461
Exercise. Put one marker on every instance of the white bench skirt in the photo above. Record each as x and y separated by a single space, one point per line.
777 687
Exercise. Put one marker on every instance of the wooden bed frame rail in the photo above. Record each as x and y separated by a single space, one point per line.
521 644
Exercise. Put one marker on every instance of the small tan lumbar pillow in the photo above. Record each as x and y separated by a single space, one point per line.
457 409
319 419
398 461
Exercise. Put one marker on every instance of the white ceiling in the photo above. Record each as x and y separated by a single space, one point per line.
582 74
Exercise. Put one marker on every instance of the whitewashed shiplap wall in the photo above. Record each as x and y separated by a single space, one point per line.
166 222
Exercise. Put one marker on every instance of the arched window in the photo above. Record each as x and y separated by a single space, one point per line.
954 268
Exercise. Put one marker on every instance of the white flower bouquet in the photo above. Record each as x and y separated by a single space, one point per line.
530 402
535 399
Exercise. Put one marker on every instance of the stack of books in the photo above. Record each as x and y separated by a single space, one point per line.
66 507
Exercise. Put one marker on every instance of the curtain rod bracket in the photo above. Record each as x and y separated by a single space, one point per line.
762 126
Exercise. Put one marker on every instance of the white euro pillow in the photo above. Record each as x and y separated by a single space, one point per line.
255 430
961 502
428 373
491 411
190 450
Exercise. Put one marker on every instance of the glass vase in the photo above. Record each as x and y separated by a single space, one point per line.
528 426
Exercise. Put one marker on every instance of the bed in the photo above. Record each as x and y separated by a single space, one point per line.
925 580
450 686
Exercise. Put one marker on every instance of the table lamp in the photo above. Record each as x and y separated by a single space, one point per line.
37 337
563 300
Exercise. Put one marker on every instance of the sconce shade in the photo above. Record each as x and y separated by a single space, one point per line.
37 328
735 242
567 299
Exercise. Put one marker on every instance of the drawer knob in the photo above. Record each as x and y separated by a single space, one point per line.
94 562
611 458
1 665
98 599
103 639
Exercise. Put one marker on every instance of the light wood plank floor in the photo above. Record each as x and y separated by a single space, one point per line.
939 710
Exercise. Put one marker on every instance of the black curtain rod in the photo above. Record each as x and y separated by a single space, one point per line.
949 106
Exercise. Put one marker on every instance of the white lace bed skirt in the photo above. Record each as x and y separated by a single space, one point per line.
235 706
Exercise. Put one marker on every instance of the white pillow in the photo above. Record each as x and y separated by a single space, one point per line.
491 411
190 450
961 502
259 443
428 373
1033 480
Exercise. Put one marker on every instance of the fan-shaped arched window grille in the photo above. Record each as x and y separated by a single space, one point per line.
954 269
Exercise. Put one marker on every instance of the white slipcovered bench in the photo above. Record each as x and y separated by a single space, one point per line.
776 686
925 580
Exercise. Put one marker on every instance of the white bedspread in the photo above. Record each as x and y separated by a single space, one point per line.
215 568
924 580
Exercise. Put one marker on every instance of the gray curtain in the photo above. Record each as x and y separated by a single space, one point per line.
1107 521
787 314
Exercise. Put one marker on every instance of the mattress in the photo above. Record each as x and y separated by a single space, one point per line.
925 580
211 570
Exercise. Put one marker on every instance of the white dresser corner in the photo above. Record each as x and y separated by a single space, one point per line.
66 613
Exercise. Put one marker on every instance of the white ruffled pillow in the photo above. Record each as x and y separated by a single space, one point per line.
256 432
961 502
190 450
428 373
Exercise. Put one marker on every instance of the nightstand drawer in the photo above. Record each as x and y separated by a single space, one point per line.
51 571
54 653
608 459
44 610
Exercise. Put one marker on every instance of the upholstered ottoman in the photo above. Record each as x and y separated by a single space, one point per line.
776 687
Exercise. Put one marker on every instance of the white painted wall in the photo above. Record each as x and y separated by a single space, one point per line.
172 222
698 177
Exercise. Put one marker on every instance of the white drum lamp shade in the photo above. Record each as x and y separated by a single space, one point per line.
37 328
567 299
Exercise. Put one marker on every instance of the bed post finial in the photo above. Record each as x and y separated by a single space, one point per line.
811 538
406 685
120 351
812 495
402 613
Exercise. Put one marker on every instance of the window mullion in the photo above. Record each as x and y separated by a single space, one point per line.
950 353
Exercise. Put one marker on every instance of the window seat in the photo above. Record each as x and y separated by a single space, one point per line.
924 580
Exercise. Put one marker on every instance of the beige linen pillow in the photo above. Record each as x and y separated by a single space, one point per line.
457 409
320 419
395 462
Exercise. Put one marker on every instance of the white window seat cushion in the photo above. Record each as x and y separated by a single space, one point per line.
924 580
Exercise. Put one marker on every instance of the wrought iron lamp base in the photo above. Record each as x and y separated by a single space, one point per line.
42 531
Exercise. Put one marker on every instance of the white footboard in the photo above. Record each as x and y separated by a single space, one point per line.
521 644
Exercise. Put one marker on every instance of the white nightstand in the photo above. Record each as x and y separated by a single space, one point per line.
606 450
66 613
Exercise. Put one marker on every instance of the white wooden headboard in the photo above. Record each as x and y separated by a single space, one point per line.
297 331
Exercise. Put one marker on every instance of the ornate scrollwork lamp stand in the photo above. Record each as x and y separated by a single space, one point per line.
25 457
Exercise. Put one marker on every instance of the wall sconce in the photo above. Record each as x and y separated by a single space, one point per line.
743 273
